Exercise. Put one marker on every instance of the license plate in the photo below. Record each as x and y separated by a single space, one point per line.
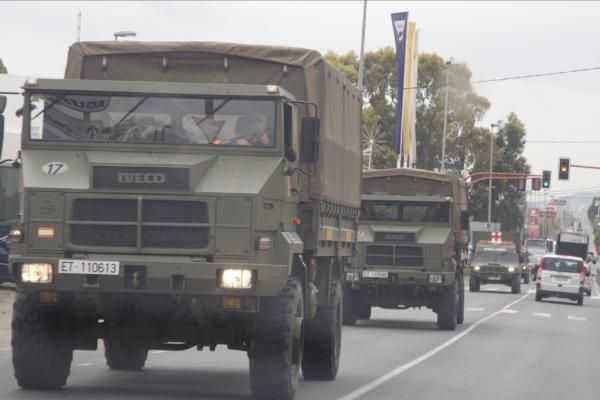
494 278
88 267
375 274
560 279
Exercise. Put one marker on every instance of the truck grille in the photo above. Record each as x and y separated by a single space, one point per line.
170 224
394 256
494 269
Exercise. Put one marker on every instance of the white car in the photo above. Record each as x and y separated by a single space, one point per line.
561 276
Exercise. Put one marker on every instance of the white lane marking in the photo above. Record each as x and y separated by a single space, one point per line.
509 311
85 364
542 314
531 291
573 318
403 368
157 351
474 308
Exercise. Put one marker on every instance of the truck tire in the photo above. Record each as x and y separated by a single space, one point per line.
323 338
460 314
276 352
538 296
349 315
515 285
120 356
41 355
527 278
474 284
447 308
580 300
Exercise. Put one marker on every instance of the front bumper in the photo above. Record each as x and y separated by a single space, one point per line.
157 275
495 277
399 278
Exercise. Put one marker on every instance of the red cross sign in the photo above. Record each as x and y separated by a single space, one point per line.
496 237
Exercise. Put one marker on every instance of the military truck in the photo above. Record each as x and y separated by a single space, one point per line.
412 246
497 259
181 195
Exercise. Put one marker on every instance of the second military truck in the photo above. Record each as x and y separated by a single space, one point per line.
181 195
412 246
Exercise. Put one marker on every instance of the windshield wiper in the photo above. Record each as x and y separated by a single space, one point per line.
49 106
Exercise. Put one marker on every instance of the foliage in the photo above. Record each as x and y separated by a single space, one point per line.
464 140
2 68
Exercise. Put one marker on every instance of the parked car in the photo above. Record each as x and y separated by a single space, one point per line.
4 251
561 276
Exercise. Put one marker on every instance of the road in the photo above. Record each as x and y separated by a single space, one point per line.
510 347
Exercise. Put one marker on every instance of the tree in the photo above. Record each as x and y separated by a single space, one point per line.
508 203
2 68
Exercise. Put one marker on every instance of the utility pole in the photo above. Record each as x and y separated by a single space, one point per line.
361 63
491 171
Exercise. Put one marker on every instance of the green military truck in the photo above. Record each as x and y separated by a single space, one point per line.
412 246
181 195
497 259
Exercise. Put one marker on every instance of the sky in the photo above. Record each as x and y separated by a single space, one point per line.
495 39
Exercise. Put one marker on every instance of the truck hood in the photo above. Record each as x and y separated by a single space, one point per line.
245 175
422 234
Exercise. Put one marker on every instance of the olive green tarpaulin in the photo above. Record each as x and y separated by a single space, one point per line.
302 72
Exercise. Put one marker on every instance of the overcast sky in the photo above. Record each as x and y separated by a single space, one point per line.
495 40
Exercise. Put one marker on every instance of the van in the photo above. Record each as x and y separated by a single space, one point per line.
561 276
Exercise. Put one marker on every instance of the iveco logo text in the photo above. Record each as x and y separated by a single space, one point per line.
395 236
157 178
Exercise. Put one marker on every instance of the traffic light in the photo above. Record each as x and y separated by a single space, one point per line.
536 184
564 167
546 179
522 185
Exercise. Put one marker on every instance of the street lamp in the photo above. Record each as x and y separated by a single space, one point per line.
492 126
122 34
443 163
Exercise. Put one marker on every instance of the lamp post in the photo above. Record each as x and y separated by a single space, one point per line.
492 126
443 163
122 34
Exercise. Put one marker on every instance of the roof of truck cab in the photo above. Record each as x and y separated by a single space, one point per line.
412 172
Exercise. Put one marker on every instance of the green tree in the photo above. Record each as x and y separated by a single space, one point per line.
2 68
508 204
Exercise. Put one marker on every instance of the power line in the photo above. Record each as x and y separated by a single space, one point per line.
515 77
562 141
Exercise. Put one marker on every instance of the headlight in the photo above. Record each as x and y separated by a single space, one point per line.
36 273
352 276
524 266
511 269
236 278
476 268
436 278
263 243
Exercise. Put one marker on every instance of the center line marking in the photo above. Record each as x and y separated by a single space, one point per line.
542 314
403 368
571 317
474 308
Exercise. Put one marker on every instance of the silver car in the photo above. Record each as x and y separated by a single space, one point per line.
561 276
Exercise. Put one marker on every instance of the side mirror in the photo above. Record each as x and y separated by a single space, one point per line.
309 151
464 220
2 107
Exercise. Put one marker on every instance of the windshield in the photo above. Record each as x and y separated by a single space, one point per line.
562 265
495 255
536 244
404 211
68 117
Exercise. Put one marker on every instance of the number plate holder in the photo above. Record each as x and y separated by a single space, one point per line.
88 267
375 274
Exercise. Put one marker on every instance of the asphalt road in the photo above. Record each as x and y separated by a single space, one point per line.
510 347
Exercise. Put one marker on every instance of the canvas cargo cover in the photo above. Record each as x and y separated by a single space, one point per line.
415 182
302 72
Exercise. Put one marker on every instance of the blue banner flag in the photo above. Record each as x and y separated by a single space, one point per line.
400 24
